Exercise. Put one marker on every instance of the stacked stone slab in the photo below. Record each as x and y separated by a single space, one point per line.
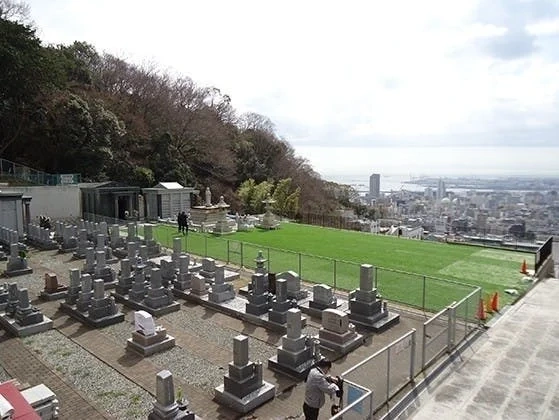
243 388
155 299
208 269
365 306
258 297
89 264
337 334
198 285
83 244
104 272
294 290
8 236
22 319
166 407
177 250
17 262
322 298
3 296
40 237
115 239
220 291
69 239
74 288
153 248
297 352
125 277
280 305
93 308
184 277
101 245
168 273
147 338
53 290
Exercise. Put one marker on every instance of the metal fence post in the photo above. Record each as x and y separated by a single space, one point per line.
423 345
376 277
334 274
387 375
268 262
228 251
423 301
300 271
412 356
205 246
242 260
451 310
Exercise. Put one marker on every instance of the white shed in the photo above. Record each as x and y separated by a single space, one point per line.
166 199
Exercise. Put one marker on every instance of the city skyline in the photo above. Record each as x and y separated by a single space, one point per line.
338 80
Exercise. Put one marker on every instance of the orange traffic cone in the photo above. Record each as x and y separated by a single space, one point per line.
481 311
495 302
489 304
524 268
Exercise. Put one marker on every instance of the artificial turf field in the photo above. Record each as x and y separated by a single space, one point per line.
408 271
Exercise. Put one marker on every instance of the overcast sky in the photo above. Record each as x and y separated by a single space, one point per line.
352 76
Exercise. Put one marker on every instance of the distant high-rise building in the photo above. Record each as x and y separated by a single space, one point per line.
374 186
441 190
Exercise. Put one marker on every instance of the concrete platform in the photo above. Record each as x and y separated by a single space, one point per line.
12 327
145 351
258 397
53 296
298 372
378 326
95 323
15 273
173 307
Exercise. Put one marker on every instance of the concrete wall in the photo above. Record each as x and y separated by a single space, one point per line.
56 202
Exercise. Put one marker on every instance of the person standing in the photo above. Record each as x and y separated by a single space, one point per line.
179 221
318 384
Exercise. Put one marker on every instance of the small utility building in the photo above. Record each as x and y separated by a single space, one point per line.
166 200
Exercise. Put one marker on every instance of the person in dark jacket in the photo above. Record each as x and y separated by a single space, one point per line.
179 221
318 384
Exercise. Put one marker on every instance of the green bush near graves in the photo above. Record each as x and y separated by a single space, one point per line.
419 273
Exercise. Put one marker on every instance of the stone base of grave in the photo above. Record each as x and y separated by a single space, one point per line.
179 415
85 319
256 398
3 256
375 323
279 319
120 252
228 276
62 250
123 286
48 296
139 306
14 328
340 343
148 345
14 273
3 306
43 246
298 372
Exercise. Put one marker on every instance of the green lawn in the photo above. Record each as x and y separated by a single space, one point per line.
405 268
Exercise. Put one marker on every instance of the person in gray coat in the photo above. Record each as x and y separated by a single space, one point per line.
318 384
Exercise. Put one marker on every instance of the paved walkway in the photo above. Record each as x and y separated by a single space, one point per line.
511 372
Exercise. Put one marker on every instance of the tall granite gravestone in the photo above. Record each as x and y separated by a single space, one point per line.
13 300
83 244
69 239
208 268
243 388
103 271
148 338
101 245
138 290
294 290
297 353
17 262
115 239
280 304
153 248
53 290
165 407
337 334
221 291
184 278
365 306
3 296
89 265
74 288
177 250
168 273
25 319
85 294
258 297
125 277
159 300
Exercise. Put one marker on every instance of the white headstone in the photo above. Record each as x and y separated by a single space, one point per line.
144 323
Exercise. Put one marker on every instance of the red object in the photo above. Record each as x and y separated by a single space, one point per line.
495 302
22 409
481 311
524 268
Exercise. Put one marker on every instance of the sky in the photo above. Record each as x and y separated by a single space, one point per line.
403 87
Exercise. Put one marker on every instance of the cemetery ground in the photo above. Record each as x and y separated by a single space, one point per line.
94 376
405 267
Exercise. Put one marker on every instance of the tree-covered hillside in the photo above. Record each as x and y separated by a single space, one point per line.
69 108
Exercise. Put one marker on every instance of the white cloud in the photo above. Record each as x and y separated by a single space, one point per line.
353 74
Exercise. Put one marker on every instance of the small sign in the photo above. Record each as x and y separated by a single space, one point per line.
66 179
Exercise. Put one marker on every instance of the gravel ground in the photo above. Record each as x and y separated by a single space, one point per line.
4 375
117 395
